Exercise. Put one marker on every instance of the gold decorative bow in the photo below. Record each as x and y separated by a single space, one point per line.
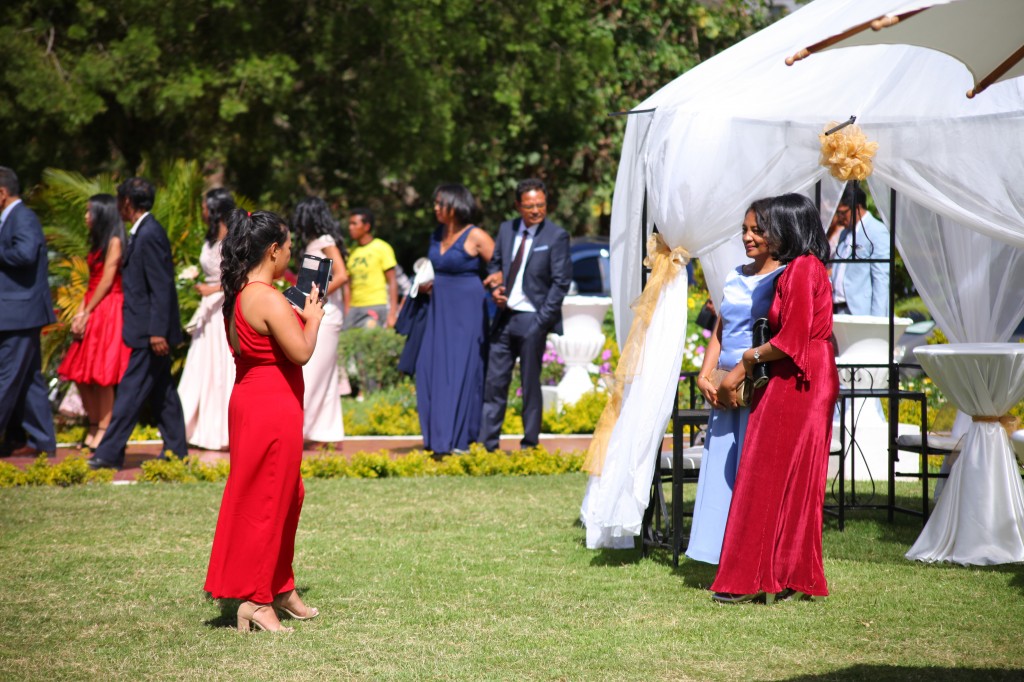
847 153
665 265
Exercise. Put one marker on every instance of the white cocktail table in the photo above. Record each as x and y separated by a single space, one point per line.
979 519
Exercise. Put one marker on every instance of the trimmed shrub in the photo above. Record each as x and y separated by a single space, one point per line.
70 471
580 417
188 469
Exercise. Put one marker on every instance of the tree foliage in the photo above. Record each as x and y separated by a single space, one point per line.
366 103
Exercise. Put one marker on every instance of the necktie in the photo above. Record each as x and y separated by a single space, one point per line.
517 262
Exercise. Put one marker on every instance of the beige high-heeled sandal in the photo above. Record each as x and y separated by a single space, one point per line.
247 618
280 607
89 439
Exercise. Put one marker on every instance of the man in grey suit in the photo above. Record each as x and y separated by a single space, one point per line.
530 275
860 288
25 308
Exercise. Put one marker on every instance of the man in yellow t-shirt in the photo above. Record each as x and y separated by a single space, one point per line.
371 297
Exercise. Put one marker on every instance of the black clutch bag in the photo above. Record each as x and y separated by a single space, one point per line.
762 335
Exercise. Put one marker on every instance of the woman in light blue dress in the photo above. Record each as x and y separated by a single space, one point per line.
746 296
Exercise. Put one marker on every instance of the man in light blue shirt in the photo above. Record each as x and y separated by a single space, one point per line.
860 288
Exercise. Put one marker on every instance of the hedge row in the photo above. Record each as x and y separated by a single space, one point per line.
477 462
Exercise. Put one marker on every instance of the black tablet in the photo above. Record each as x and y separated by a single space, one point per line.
314 270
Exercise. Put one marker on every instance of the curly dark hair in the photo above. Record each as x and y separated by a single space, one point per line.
249 237
219 204
311 219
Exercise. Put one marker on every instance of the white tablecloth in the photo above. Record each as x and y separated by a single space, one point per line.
979 519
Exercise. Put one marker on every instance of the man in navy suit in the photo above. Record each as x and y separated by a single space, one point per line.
25 308
530 275
152 326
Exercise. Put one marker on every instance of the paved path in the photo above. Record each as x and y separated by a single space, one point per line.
139 452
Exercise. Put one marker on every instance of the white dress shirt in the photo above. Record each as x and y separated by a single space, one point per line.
517 300
135 225
7 212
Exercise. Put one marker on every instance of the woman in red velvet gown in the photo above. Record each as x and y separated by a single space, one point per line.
773 536
98 357
254 543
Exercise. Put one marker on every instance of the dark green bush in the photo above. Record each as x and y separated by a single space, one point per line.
371 357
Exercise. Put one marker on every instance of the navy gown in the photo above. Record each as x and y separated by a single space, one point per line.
450 365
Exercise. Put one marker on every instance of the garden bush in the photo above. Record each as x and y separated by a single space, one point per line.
580 417
387 412
478 461
371 357
70 471
188 469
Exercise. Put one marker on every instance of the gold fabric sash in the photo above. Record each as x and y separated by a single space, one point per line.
665 265
1008 421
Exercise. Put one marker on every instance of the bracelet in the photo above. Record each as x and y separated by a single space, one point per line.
701 376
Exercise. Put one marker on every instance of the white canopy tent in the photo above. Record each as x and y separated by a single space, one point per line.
742 126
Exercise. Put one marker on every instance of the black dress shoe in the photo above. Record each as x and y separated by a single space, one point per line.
729 598
100 464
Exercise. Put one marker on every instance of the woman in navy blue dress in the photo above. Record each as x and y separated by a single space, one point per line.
450 365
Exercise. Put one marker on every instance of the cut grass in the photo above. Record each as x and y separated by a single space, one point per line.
469 578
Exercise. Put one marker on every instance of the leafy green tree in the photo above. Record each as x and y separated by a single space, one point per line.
370 102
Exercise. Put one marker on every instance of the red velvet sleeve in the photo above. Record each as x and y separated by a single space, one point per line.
796 309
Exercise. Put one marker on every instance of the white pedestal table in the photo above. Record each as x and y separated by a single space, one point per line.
979 519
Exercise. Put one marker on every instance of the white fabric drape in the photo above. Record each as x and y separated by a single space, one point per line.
972 283
980 517
743 125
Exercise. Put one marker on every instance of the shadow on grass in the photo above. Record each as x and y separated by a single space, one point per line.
228 614
881 673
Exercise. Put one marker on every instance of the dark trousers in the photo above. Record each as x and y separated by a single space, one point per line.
515 336
23 394
148 377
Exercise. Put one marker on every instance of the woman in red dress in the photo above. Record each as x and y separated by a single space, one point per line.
772 545
254 542
98 356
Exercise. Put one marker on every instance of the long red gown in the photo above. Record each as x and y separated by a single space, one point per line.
100 357
773 535
254 542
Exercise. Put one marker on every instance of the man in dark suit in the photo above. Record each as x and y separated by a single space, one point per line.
25 308
530 275
152 326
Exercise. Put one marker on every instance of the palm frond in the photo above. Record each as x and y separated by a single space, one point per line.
63 199
68 296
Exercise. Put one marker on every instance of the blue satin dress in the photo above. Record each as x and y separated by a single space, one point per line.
744 299
451 361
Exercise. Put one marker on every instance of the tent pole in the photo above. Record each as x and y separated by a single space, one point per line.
643 242
894 370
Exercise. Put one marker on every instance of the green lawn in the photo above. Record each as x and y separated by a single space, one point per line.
468 578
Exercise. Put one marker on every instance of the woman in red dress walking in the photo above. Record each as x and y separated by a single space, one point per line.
254 542
98 356
772 542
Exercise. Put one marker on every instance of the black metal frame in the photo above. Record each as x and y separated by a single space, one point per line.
662 526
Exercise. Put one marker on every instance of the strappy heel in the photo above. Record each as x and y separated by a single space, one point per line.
88 442
247 618
279 606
